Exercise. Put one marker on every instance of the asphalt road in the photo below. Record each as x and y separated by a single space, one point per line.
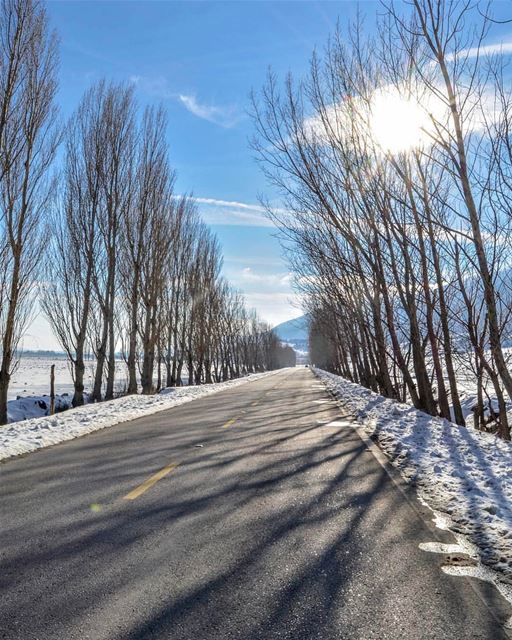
280 525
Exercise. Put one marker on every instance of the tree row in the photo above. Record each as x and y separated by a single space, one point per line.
393 157
93 234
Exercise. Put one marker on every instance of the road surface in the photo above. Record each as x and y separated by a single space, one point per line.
251 514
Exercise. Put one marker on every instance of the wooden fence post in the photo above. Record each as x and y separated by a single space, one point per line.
52 390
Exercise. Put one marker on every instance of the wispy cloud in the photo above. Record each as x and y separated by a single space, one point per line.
237 213
155 86
227 116
231 203
228 212
267 279
499 48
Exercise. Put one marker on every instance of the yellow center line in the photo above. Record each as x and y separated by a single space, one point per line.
229 422
147 484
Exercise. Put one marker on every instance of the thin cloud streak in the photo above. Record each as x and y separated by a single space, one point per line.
231 213
500 48
218 215
230 203
226 117
269 280
223 116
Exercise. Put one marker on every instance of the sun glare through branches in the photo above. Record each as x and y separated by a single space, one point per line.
397 123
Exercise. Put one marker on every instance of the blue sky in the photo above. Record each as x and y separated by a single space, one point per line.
201 60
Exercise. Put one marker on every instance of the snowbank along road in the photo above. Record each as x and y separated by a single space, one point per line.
257 512
462 473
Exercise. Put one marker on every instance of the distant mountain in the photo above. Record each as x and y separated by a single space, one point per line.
295 330
42 353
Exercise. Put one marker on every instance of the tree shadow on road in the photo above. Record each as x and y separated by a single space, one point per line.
278 528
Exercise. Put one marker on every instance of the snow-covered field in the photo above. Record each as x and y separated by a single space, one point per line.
29 435
467 385
462 472
32 376
30 385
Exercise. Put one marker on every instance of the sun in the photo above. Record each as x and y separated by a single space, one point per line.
397 123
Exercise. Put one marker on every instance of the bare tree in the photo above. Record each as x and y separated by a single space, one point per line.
28 140
116 179
375 230
68 296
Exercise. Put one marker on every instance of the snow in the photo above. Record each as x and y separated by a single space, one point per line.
29 435
467 383
32 376
26 407
30 385
458 471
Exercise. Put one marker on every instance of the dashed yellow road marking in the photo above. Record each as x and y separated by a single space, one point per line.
147 484
229 423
